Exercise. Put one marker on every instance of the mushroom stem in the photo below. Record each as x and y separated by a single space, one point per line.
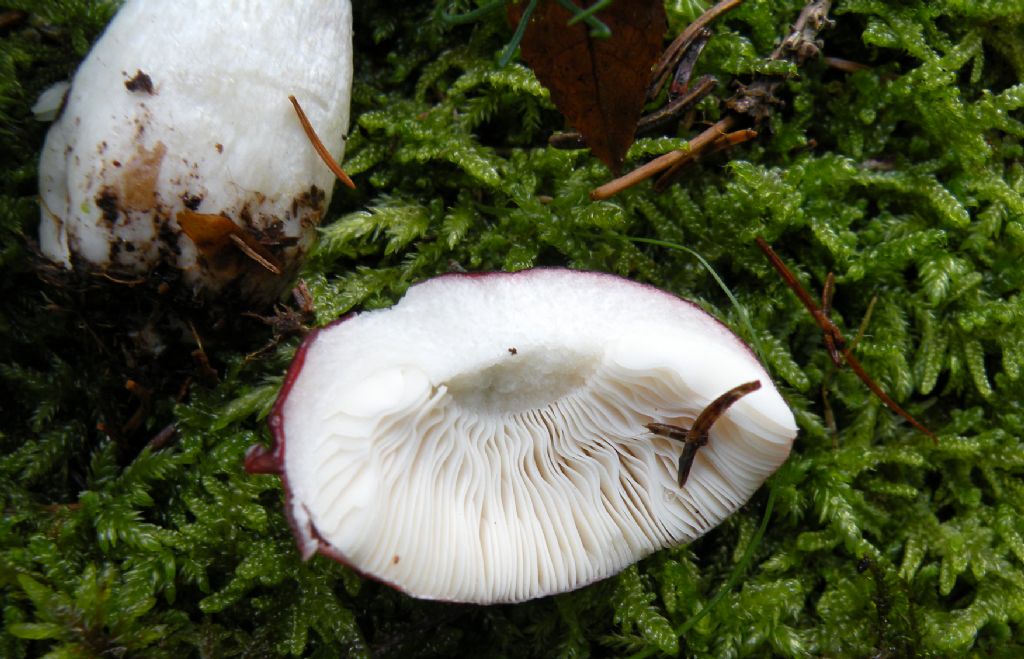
697 435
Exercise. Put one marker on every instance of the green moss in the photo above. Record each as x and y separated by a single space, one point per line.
904 179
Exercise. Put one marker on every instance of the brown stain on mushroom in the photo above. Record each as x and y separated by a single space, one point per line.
310 205
141 82
191 201
395 559
107 202
140 177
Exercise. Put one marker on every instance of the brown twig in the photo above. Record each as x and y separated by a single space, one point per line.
661 163
844 65
163 438
241 244
723 142
201 358
670 58
827 291
832 330
318 145
705 85
684 70
696 435
145 396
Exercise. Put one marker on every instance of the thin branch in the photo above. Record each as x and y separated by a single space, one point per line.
704 86
319 147
684 70
831 329
698 434
844 65
661 163
826 308
162 438
266 263
670 58
723 142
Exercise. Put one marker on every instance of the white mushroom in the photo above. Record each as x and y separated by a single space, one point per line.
179 118
485 440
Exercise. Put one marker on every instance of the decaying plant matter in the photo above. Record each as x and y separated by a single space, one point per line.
696 435
752 104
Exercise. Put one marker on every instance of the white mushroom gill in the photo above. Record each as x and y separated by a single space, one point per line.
484 440
184 105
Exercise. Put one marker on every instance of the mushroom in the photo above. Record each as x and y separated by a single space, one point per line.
178 146
489 438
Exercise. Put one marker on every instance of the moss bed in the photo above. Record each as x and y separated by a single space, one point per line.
905 179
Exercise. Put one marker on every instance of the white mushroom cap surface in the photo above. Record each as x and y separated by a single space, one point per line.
184 104
485 439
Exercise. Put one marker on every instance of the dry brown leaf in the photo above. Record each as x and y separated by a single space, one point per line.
598 84
212 234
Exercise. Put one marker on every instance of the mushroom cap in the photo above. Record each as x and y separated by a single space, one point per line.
484 440
184 105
